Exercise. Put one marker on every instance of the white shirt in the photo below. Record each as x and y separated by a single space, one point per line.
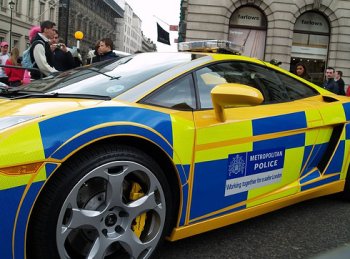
3 59
40 58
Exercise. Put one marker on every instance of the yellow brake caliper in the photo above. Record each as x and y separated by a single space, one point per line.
140 221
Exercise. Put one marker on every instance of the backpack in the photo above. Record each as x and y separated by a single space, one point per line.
26 57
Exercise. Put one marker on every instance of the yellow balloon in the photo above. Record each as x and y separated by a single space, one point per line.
78 35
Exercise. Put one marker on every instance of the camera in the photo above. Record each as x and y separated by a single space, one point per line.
59 45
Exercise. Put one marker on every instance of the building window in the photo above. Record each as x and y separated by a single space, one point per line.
248 28
310 44
17 6
42 10
31 8
52 14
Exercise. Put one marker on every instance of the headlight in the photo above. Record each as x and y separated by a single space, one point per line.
6 122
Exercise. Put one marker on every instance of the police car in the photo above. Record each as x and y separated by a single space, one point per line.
108 160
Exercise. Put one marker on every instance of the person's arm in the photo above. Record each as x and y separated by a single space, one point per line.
69 59
335 88
40 60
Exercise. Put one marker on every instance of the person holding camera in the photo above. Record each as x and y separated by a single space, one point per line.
62 57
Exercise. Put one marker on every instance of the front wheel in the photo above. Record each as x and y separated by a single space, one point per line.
110 202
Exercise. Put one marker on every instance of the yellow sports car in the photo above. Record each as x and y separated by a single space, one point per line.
108 160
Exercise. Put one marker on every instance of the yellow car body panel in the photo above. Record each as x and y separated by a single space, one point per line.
304 142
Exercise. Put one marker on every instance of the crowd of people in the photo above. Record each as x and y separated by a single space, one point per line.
47 55
333 79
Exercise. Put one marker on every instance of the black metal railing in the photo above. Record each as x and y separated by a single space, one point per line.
24 68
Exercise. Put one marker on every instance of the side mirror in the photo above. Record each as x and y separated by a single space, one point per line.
234 95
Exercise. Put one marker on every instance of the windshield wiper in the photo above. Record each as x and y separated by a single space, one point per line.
102 73
60 95
8 91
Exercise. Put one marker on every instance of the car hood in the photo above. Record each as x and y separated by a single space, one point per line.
43 107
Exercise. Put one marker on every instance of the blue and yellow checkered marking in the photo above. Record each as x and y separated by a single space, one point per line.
56 131
347 131
23 218
50 168
320 182
346 107
23 215
84 139
287 142
313 175
279 123
7 218
302 144
208 191
336 162
314 154
52 128
184 205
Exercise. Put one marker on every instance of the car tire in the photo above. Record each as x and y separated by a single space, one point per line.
109 201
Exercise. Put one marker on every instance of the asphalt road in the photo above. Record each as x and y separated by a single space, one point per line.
303 230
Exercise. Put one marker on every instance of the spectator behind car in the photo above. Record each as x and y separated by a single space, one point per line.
329 82
15 75
105 50
300 70
62 58
340 82
40 51
4 56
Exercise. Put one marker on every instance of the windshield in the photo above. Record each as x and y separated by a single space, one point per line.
110 78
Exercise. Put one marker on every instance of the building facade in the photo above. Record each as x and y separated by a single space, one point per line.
314 32
96 19
129 34
25 14
148 45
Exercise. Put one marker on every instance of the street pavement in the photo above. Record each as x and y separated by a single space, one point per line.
306 230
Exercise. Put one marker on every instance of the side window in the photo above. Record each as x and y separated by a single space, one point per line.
267 81
178 94
208 77
296 89
246 73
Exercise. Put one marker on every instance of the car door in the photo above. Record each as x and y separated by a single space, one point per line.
258 153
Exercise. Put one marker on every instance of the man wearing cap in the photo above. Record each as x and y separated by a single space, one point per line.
3 58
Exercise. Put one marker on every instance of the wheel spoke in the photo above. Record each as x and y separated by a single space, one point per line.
132 244
62 236
115 188
84 217
99 248
143 204
114 193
